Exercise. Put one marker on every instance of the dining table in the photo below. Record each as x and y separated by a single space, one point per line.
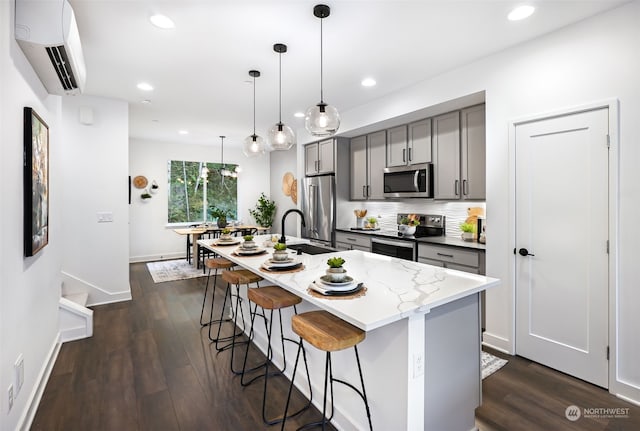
194 233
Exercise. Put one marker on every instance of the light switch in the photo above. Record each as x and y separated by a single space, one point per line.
105 217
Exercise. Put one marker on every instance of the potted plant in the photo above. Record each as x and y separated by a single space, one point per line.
468 231
335 271
371 223
221 215
248 241
264 211
408 226
280 252
226 234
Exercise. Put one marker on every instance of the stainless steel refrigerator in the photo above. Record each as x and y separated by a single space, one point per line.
319 208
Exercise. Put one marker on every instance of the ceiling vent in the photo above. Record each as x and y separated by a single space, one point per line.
48 35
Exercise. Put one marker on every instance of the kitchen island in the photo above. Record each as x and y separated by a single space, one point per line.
421 357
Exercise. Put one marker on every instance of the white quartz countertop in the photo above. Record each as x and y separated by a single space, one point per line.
396 288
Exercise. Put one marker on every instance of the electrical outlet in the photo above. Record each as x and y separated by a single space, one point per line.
19 370
10 396
418 364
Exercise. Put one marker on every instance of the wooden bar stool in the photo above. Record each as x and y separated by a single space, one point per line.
271 298
216 263
328 333
234 278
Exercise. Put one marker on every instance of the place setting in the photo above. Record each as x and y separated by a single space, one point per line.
248 247
336 283
281 261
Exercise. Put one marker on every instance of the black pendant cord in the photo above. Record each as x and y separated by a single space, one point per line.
280 86
222 151
254 108
321 57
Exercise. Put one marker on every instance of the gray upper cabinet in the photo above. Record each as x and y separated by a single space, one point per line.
409 145
419 144
397 146
367 164
446 156
473 142
459 154
319 157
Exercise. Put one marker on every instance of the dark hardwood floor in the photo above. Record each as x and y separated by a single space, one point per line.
149 366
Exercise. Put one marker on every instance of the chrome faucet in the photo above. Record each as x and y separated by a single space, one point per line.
283 239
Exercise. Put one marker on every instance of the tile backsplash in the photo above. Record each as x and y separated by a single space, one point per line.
385 211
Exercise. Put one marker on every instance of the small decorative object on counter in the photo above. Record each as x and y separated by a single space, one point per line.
226 234
248 241
360 215
336 272
371 223
408 225
280 252
468 231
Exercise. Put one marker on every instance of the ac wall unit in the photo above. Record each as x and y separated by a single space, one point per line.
47 33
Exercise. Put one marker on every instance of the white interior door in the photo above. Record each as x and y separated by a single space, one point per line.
562 223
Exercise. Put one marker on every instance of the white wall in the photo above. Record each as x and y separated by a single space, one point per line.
29 287
150 239
591 61
281 163
95 180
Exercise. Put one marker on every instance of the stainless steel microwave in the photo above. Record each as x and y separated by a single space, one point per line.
414 181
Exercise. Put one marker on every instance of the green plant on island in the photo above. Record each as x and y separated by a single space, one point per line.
335 262
226 231
280 246
468 227
264 211
248 237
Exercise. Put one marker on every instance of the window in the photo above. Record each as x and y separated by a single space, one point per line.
187 185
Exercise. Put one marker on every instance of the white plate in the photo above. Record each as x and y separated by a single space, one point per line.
249 251
231 241
288 262
270 267
323 287
325 279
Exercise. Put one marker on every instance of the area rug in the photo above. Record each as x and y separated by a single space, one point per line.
172 270
490 364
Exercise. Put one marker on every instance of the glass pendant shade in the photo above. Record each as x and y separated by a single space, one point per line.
322 120
281 137
253 146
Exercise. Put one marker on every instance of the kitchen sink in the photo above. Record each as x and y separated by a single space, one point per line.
311 249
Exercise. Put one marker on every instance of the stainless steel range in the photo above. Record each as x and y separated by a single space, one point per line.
394 244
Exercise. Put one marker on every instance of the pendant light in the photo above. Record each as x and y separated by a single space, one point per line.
253 144
281 136
322 119
224 172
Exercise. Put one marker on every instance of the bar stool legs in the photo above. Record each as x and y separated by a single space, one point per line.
328 333
270 298
215 264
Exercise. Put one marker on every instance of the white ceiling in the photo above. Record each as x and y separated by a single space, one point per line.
200 68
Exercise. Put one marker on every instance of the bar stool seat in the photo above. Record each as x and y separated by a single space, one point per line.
273 297
328 333
241 276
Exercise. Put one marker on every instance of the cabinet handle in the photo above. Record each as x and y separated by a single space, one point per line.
456 187
404 153
465 187
351 239
410 158
364 193
368 193
445 255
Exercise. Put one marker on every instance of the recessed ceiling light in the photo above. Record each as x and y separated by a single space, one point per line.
145 87
183 132
368 82
299 115
146 102
161 21
521 12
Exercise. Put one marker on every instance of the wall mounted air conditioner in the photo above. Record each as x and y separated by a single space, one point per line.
47 33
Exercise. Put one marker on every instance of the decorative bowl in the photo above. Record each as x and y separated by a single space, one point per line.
280 255
337 275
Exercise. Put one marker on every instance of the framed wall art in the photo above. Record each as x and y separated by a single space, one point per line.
36 183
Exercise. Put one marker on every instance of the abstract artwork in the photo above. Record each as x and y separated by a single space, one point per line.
36 183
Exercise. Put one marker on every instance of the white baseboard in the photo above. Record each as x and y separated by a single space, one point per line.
495 342
25 421
626 391
156 257
97 296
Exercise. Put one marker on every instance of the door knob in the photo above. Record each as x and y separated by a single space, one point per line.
525 252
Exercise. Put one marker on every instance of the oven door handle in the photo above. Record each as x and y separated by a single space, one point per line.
403 244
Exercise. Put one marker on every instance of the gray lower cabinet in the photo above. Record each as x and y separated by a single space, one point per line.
353 241
367 162
462 259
